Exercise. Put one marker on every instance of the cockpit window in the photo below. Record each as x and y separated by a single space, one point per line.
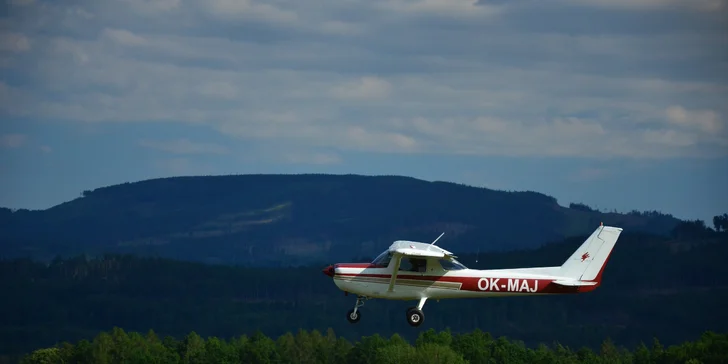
451 264
383 259
411 264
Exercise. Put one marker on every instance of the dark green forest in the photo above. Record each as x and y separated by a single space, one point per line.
278 220
312 347
670 287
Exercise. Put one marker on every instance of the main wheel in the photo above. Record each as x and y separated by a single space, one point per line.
353 317
415 317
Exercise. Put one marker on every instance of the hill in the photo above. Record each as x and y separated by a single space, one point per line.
297 219
654 286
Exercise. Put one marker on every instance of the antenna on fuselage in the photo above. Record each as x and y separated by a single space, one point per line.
438 238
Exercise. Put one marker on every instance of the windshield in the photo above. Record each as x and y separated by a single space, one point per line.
451 264
383 259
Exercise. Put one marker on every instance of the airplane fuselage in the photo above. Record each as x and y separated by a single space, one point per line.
371 281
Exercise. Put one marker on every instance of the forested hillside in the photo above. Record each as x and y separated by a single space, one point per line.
269 220
315 347
674 288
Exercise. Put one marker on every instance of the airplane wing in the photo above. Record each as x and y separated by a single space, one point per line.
417 249
418 253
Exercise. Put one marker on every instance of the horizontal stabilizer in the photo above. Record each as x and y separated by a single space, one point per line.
574 283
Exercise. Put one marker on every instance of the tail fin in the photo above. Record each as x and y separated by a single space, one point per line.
588 262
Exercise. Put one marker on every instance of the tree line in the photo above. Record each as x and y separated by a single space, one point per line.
313 347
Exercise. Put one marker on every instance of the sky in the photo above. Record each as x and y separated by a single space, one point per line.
619 104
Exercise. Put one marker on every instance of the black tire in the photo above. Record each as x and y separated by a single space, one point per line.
415 317
352 317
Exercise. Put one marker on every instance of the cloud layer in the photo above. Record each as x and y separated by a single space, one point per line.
597 78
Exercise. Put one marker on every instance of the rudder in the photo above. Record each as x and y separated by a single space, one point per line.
588 261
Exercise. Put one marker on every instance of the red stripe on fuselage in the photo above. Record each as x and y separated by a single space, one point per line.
483 284
358 265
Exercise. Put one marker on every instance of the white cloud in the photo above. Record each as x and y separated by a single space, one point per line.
78 12
670 138
493 136
124 37
707 121
701 5
364 88
427 76
152 6
248 9
442 7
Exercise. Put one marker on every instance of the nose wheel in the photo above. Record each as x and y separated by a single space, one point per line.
354 315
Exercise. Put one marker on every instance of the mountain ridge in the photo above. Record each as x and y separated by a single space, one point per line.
274 219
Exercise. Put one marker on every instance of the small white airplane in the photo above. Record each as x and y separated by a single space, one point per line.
411 270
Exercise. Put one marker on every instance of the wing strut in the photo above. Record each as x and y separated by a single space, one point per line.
438 238
395 270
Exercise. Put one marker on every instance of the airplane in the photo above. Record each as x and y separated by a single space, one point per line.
410 270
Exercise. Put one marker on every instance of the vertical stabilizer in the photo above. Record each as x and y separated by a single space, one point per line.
587 262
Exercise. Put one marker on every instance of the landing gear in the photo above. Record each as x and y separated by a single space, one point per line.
354 315
415 316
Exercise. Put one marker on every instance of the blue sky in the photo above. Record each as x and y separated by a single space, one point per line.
620 104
